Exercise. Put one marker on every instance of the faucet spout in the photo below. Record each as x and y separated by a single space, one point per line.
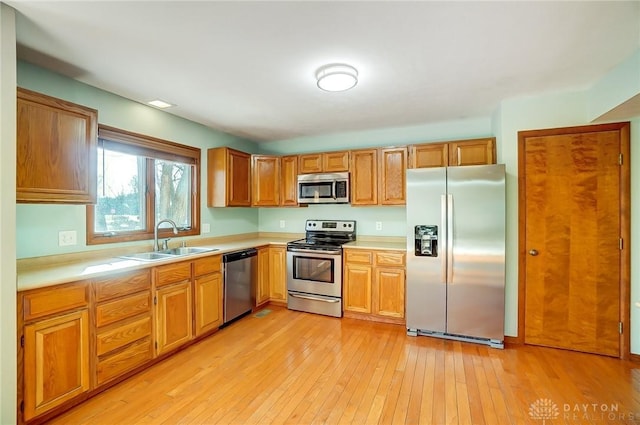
156 245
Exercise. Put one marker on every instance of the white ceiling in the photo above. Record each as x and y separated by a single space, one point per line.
247 68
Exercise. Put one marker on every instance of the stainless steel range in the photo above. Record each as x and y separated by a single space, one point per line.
314 267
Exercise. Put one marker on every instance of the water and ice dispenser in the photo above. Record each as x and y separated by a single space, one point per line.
426 240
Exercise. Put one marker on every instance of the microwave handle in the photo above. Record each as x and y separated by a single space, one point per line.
334 189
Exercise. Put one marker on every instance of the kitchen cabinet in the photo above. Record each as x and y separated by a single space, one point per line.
453 153
263 291
123 319
374 285
56 150
278 274
55 343
265 183
289 180
208 293
378 176
173 306
228 178
324 162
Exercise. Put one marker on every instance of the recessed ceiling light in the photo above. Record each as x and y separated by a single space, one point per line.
160 104
337 77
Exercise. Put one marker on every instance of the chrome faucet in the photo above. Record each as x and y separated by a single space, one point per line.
156 245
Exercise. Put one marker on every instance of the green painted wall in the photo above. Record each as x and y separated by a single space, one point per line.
38 225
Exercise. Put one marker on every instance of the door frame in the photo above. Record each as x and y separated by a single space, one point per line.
625 224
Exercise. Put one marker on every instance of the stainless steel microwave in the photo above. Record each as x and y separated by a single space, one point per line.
325 188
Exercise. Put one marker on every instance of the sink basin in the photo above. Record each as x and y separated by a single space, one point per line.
147 256
186 250
167 253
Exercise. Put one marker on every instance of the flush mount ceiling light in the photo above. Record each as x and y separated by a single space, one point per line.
160 104
337 77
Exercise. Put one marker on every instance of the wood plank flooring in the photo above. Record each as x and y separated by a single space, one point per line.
288 367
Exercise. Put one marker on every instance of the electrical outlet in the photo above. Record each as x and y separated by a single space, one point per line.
378 225
206 228
67 238
282 224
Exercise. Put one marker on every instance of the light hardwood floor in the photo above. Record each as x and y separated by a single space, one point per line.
298 368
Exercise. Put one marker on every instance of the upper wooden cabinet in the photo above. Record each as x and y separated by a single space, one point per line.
454 153
325 162
228 178
378 176
56 150
265 183
289 180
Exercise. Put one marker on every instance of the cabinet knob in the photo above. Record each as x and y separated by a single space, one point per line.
533 252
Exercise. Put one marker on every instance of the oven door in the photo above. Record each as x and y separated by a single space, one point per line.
314 272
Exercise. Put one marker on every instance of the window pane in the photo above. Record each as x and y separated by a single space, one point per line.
173 192
121 180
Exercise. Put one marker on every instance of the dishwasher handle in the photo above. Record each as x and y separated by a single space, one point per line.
239 255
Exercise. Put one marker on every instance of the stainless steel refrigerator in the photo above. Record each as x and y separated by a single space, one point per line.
455 253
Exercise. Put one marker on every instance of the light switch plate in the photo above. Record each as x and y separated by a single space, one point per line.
282 224
67 238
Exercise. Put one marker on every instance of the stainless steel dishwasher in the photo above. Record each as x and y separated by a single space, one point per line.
240 271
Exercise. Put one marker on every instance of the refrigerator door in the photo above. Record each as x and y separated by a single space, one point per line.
426 268
476 230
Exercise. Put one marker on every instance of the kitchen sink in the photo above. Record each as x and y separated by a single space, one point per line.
167 253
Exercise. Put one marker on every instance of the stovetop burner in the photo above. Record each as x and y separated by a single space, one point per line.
328 234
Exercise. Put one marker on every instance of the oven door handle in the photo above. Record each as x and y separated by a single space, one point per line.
307 297
310 251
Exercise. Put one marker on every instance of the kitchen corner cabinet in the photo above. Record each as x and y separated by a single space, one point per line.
55 344
265 181
374 284
56 150
325 162
173 306
228 178
208 293
289 180
278 274
454 153
378 176
262 285
123 319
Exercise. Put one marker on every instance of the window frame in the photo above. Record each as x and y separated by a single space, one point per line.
152 148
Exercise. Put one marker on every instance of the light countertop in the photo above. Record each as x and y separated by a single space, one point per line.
370 244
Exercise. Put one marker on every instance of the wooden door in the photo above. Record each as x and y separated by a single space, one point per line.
289 180
389 292
357 288
333 162
310 163
173 315
262 288
573 265
429 155
392 180
278 273
472 152
364 179
238 179
208 303
56 361
265 185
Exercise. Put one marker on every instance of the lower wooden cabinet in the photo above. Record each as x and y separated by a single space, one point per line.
263 291
278 274
56 361
374 284
208 303
173 316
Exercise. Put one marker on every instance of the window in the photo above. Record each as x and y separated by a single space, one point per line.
142 180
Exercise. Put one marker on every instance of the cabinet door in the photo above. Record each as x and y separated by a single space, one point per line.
389 292
357 288
429 155
333 162
310 163
393 167
56 150
262 288
289 180
173 316
265 186
208 303
56 361
239 182
472 152
364 181
278 273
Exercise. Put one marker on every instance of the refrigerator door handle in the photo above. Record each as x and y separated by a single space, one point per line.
449 239
443 237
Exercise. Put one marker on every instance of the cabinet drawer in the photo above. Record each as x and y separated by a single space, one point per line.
172 273
56 299
389 258
124 361
121 309
358 256
123 335
123 284
206 265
